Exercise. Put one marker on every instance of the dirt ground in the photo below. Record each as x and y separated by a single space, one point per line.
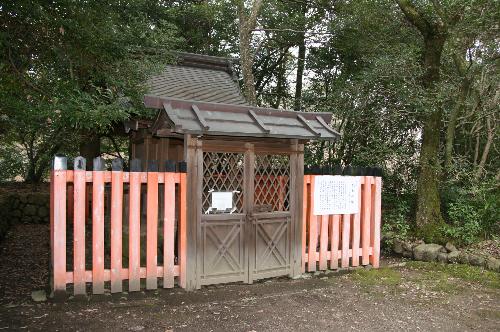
400 296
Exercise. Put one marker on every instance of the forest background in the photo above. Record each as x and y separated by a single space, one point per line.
413 86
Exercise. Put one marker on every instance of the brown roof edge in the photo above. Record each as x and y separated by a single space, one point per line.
157 102
205 61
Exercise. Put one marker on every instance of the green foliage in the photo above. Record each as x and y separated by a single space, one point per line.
12 163
472 211
396 218
465 222
68 66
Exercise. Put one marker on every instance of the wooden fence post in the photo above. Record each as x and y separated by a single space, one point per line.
334 238
313 233
98 226
79 226
356 232
182 227
168 225
376 220
116 225
346 232
152 226
58 224
367 210
306 199
134 238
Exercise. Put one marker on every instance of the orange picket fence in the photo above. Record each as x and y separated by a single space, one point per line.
94 212
326 239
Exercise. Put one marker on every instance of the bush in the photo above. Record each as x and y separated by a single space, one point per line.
465 222
471 211
396 218
12 162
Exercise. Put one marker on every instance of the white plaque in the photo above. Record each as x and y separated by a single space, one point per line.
335 194
222 200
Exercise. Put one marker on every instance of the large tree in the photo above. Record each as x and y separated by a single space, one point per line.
434 31
70 67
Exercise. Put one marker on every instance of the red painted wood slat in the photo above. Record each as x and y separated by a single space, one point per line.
58 231
346 231
168 231
365 225
152 230
305 200
116 230
376 220
334 238
79 232
98 232
356 233
182 232
323 244
134 231
313 234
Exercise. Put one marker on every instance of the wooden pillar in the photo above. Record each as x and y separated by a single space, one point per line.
192 207
249 227
296 200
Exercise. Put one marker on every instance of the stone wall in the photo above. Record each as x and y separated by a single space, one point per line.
23 207
431 252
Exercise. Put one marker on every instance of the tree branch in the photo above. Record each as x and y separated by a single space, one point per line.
414 16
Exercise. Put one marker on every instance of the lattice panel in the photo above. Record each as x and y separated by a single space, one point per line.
272 183
223 172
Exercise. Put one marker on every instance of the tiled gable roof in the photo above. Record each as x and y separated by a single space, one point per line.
198 78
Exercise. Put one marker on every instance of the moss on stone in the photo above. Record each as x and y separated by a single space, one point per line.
433 233
432 270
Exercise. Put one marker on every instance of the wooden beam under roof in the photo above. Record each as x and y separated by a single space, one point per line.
200 117
327 127
259 123
307 125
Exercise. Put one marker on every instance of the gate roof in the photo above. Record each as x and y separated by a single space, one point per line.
200 96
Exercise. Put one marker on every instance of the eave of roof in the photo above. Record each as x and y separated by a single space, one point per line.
195 117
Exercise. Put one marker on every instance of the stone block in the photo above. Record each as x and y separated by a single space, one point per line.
450 247
30 210
453 257
428 252
442 257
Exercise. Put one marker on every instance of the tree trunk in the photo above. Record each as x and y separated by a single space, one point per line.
301 60
247 24
428 217
90 148
486 150
428 198
452 124
300 76
457 110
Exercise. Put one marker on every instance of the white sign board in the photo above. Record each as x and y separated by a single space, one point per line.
222 200
335 194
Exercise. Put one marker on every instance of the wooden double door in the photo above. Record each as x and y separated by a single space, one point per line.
252 236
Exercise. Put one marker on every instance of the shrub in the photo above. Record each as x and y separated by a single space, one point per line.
471 211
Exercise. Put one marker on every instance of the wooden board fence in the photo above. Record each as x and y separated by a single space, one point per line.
73 185
348 237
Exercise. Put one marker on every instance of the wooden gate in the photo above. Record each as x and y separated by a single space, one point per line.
222 240
271 218
252 239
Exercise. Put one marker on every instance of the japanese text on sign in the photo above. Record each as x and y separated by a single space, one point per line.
222 200
335 194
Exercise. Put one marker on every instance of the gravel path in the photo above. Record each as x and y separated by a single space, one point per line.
402 297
